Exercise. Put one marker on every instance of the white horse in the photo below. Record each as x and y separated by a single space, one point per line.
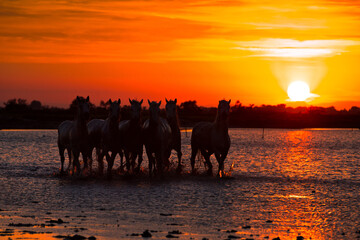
130 137
209 138
172 118
157 138
95 129
73 136
110 137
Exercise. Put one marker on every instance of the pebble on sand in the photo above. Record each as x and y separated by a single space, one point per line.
146 234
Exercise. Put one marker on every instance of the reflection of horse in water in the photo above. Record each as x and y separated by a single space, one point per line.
73 136
209 138
172 118
105 135
130 137
157 139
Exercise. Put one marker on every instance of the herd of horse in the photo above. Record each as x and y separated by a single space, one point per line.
159 135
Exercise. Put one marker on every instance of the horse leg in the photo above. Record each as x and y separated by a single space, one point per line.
140 158
85 158
121 154
159 157
110 160
100 154
76 162
62 157
221 162
90 158
151 161
194 151
127 159
207 160
179 155
70 158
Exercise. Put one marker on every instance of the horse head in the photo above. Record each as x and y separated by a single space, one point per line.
171 108
114 110
83 107
154 109
135 109
224 108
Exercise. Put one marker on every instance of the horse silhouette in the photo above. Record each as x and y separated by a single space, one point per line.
130 137
73 136
173 120
110 136
157 139
94 130
209 138
101 132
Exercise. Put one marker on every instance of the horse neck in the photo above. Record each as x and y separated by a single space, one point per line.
221 123
173 122
154 122
80 123
113 123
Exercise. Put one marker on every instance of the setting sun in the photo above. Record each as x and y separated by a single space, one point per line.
298 91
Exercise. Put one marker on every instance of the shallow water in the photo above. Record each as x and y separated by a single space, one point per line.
289 183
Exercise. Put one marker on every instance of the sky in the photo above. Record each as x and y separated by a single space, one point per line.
199 50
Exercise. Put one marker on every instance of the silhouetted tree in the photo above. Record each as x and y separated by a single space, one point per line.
189 106
35 105
15 104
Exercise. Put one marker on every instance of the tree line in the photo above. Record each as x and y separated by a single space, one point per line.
18 113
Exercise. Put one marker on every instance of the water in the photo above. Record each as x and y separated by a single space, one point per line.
291 183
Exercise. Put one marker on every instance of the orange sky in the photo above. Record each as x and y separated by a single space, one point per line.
204 50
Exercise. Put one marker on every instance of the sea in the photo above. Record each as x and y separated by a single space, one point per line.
279 184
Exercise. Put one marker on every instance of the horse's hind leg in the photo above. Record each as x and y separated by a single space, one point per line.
179 155
62 157
70 158
100 157
207 160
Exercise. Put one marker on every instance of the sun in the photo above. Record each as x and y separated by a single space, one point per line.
298 91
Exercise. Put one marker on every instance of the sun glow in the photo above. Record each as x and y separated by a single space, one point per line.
298 91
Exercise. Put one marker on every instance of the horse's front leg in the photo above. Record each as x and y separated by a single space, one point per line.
76 162
110 160
140 158
179 155
220 157
151 161
100 154
207 155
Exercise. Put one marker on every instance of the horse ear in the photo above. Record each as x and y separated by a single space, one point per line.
229 101
87 99
159 103
166 100
119 101
149 102
110 101
175 100
77 98
141 101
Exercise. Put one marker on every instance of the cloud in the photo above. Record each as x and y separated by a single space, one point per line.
290 48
